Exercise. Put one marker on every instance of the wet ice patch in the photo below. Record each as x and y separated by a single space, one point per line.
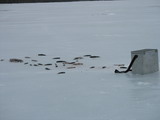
143 83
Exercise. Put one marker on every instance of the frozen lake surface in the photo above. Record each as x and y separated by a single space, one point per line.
90 91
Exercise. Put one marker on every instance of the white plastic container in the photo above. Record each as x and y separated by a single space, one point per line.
147 61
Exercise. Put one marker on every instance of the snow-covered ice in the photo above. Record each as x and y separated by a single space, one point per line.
109 29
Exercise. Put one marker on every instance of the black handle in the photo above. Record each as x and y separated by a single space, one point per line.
129 67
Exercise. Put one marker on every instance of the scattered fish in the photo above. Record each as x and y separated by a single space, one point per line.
92 67
57 58
61 73
27 57
60 61
40 64
71 67
34 60
35 65
41 54
56 65
47 68
77 58
15 60
77 63
94 56
118 64
47 64
123 67
69 62
103 67
2 60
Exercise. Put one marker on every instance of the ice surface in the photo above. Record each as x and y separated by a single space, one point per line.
109 29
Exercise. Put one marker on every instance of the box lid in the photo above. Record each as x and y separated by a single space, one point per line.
143 51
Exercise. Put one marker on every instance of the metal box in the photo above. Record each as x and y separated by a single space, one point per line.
147 61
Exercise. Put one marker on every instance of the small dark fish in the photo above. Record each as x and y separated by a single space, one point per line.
104 67
77 58
77 63
94 56
123 67
92 67
47 68
87 55
26 63
47 64
34 60
57 58
71 67
35 65
41 54
27 57
69 62
60 61
2 60
118 64
56 65
15 60
61 73
40 64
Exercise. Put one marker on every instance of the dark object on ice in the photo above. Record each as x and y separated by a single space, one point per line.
103 67
77 58
34 60
2 60
57 58
15 60
26 63
47 68
87 55
60 61
73 63
123 67
40 64
71 67
92 67
77 63
119 65
129 67
27 57
94 56
61 73
47 64
35 65
69 62
56 65
41 54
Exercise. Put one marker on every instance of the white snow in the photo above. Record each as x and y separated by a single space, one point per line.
109 29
